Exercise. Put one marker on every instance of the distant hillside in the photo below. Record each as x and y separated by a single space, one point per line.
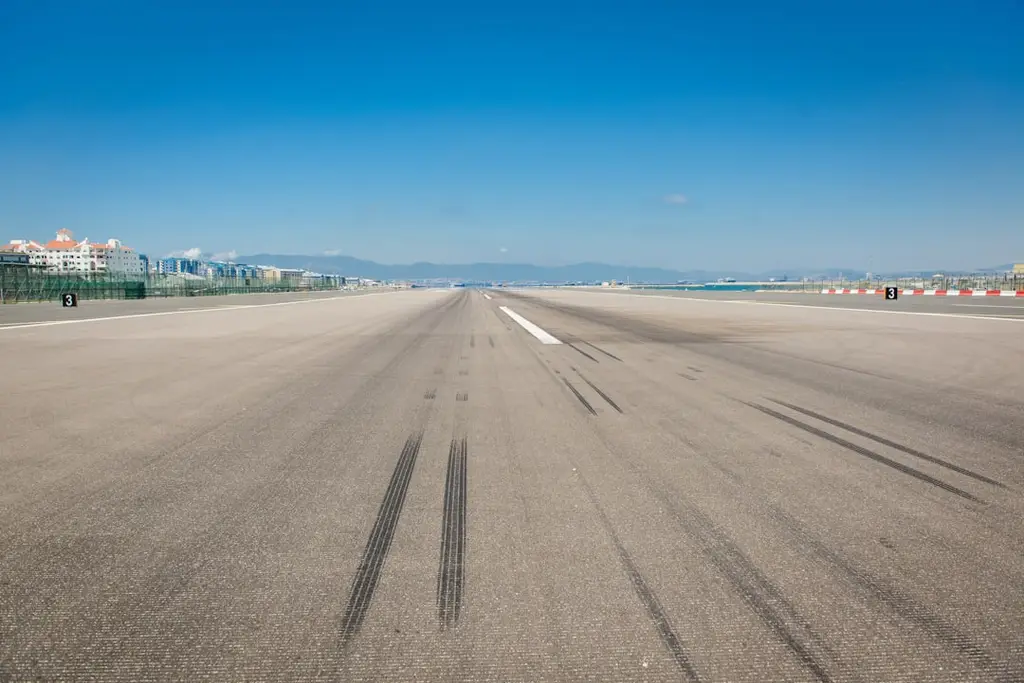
521 272
577 272
346 265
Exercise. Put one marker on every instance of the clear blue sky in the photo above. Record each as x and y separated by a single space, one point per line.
875 134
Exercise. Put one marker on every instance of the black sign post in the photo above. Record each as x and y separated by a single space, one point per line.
891 293
69 300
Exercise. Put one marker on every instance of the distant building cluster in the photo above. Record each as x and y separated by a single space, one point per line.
190 268
65 254
208 269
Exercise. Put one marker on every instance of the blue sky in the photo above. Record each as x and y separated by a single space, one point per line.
865 134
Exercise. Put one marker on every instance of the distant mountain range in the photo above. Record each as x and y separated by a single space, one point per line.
524 272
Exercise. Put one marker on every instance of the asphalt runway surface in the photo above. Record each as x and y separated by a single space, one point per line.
414 486
36 312
989 306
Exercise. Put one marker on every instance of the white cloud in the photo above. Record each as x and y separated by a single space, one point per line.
503 250
225 256
193 253
676 199
332 252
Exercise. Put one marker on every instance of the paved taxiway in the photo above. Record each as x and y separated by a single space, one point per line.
411 486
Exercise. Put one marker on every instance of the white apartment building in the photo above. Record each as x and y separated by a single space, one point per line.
65 254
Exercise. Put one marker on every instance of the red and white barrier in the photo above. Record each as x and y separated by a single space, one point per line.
930 292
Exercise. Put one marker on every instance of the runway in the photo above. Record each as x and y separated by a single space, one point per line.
990 306
20 314
416 485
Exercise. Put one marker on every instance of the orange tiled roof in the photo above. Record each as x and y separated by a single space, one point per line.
22 247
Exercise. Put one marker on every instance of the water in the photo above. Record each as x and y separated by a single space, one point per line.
725 286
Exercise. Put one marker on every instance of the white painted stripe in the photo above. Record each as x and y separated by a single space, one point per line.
1005 307
537 332
184 311
487 296
1007 292
822 308
929 292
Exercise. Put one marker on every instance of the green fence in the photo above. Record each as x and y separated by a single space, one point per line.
23 284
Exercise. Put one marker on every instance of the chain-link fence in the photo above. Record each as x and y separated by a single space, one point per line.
23 284
1008 281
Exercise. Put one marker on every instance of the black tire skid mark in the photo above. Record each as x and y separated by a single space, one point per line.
378 545
896 601
578 395
579 350
871 455
600 393
598 348
452 567
748 582
763 597
655 610
891 444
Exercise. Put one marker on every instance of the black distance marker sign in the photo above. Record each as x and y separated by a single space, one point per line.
891 293
69 300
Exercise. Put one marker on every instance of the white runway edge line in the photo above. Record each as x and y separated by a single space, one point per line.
819 308
185 311
540 334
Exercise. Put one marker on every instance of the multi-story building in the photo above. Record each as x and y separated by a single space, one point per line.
65 254
268 273
179 266
221 269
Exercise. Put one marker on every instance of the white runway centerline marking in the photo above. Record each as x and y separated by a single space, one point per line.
487 296
537 332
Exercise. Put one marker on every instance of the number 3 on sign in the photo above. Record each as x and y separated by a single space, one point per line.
69 300
891 293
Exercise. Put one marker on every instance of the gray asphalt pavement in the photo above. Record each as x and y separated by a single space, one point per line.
412 486
992 306
35 312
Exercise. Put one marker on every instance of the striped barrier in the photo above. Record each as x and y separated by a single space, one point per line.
930 292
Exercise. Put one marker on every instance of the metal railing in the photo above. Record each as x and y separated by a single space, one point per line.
1009 282
24 284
